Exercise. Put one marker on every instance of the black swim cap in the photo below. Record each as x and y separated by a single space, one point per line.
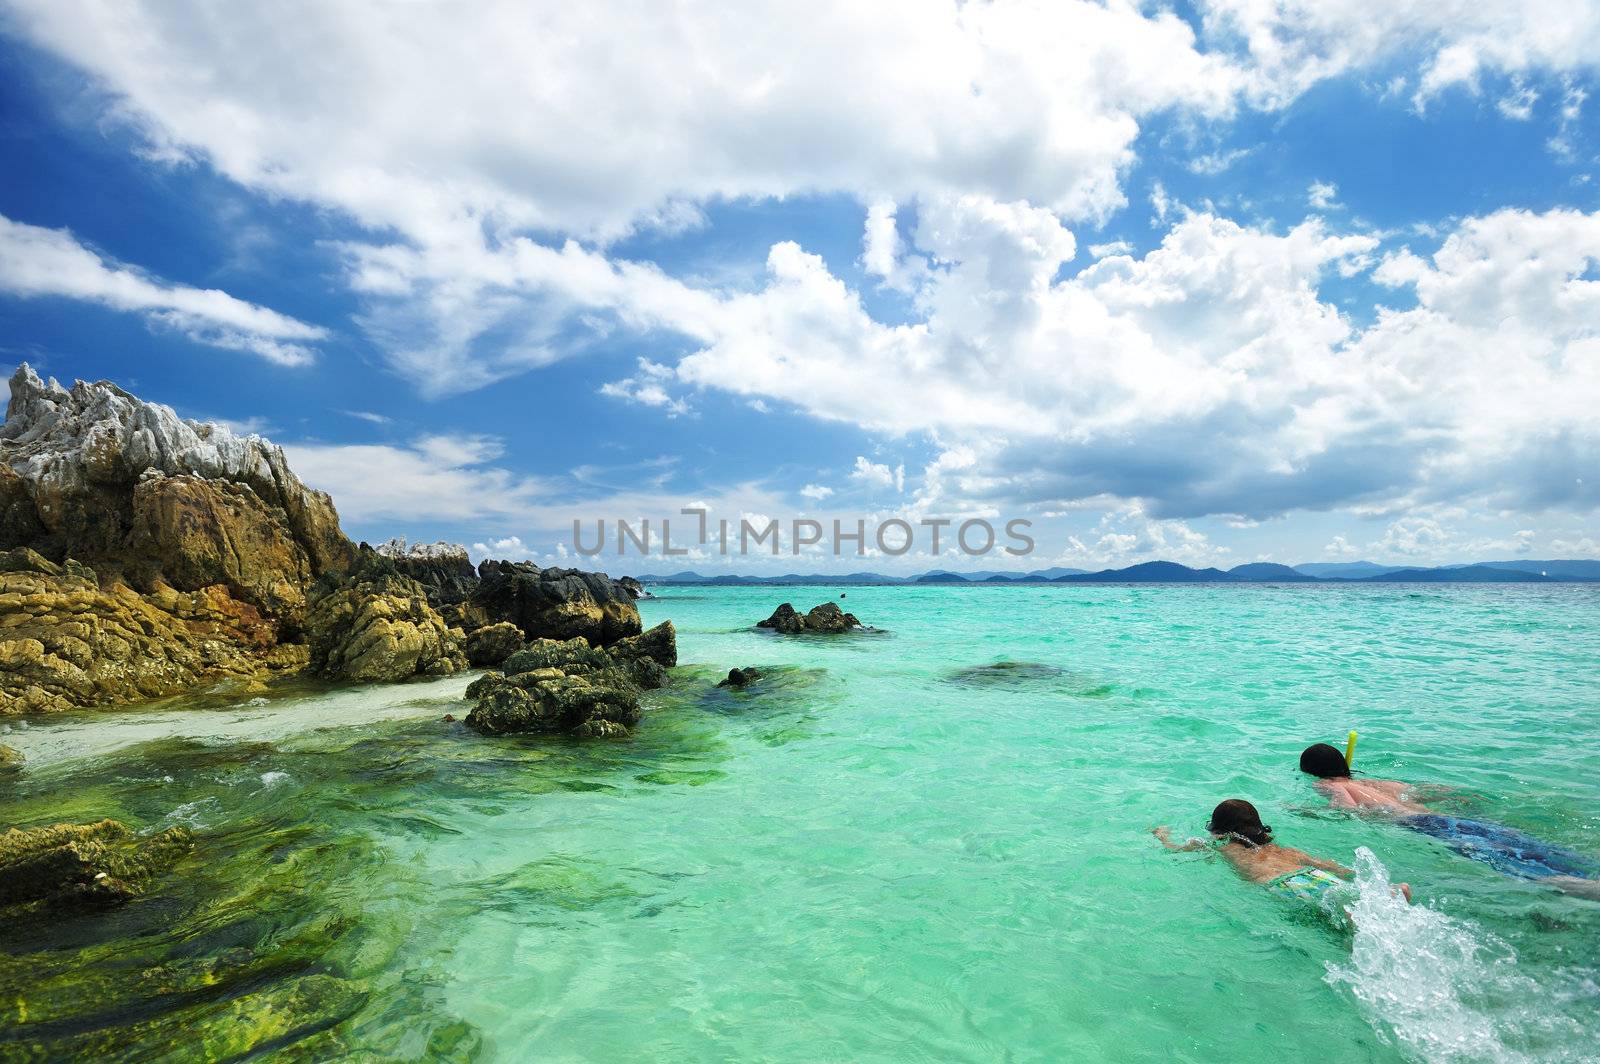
1324 761
1239 818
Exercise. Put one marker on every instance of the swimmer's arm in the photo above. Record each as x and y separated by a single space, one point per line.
1164 837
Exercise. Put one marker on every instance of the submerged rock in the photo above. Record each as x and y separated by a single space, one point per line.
827 618
493 643
98 864
738 678
573 687
1005 674
556 603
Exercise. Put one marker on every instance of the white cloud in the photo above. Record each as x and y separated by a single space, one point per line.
1517 103
1323 195
39 262
816 492
1339 547
647 387
879 475
1214 163
436 478
1292 44
1411 536
368 416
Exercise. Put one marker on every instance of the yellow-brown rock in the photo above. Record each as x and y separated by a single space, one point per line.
66 642
379 626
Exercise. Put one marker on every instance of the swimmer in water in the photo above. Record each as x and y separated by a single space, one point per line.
1504 849
1247 844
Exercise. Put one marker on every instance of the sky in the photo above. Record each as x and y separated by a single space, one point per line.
1217 282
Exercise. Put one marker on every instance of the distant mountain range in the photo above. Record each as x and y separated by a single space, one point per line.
1160 572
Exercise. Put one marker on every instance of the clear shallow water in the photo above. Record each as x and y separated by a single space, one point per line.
869 856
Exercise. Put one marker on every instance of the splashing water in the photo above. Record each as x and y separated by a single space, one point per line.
1448 991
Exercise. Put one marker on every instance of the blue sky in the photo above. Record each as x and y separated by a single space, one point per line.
1221 283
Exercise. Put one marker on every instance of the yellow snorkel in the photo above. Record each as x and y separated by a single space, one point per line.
1350 749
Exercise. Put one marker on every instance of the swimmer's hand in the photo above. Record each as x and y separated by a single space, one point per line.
1164 837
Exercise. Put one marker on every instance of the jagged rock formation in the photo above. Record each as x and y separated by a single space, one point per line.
67 639
827 618
570 686
377 625
83 864
140 495
556 603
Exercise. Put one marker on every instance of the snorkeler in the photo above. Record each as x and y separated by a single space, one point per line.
1241 837
1504 849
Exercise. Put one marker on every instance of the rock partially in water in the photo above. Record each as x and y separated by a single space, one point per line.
83 864
570 686
556 603
68 641
493 644
579 700
643 658
826 618
378 625
741 678
11 760
1006 674
634 589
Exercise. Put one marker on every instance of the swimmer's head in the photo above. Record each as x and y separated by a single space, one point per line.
1324 761
1237 818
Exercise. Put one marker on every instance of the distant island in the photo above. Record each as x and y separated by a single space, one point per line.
1571 570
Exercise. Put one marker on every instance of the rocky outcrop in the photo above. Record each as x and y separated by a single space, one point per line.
570 686
741 678
147 498
83 864
67 640
827 618
632 586
377 625
556 603
11 760
147 555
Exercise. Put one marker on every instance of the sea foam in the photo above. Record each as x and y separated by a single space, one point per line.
1445 990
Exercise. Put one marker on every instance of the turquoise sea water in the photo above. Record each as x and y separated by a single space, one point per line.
869 856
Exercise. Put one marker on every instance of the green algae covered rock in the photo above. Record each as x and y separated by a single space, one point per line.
11 760
95 864
585 702
570 686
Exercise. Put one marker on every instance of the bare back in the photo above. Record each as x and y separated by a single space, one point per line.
1386 796
1263 864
